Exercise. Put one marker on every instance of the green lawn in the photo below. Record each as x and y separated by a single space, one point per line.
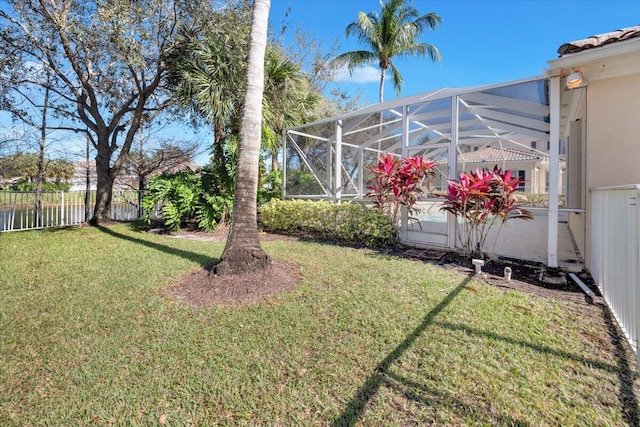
90 336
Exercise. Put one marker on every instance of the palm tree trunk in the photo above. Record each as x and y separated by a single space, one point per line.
274 161
243 252
382 73
223 181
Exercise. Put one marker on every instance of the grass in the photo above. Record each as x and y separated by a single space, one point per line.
89 335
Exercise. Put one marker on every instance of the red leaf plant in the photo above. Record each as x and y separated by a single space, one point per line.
398 182
481 199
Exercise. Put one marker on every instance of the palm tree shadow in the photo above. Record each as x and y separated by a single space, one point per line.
429 396
354 410
384 375
203 260
626 375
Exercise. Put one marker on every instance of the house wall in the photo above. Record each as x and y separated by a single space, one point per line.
613 130
613 136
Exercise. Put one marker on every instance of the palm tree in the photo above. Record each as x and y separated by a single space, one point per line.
388 34
242 251
208 77
289 99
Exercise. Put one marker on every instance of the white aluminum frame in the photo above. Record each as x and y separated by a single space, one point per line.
476 115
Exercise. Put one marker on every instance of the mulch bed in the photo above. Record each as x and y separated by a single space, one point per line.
203 288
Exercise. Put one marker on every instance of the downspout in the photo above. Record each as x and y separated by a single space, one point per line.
554 166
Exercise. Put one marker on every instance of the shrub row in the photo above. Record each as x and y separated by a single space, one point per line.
353 222
24 185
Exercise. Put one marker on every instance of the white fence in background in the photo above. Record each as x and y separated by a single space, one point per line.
18 209
615 254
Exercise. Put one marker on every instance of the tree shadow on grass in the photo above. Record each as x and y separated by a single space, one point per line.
428 396
54 230
356 407
626 376
384 375
203 260
535 347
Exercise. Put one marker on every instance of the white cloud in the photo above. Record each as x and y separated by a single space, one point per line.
366 74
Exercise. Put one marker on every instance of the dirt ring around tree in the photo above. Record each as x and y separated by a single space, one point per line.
203 289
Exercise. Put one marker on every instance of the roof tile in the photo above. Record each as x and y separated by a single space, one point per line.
599 40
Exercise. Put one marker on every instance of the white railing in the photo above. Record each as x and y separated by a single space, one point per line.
615 254
58 209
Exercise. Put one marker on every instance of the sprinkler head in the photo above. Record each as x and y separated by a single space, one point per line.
507 273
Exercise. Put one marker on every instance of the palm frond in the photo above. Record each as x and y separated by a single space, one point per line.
355 59
391 32
397 79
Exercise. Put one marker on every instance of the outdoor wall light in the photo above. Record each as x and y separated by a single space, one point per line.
574 80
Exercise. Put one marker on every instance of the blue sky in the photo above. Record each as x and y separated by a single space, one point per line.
481 42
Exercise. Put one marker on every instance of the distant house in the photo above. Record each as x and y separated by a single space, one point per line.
125 181
79 180
531 167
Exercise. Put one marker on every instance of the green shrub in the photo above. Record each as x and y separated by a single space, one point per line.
186 198
352 222
271 187
540 200
24 185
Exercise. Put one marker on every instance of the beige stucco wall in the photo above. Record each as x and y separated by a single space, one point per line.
613 132
613 136
577 225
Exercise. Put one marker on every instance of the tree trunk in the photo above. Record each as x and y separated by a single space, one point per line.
274 161
243 252
381 93
222 181
142 186
87 192
43 140
382 73
104 189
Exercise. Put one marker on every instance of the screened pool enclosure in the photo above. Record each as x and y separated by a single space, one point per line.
508 125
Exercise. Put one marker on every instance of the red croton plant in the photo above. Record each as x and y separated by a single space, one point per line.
398 182
481 199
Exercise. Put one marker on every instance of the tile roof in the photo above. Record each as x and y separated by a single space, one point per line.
494 154
599 40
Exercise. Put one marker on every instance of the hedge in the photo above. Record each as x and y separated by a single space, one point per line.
346 221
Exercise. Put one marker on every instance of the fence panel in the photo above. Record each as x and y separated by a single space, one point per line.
615 254
18 209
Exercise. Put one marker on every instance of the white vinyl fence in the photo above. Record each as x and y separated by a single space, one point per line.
18 209
615 254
